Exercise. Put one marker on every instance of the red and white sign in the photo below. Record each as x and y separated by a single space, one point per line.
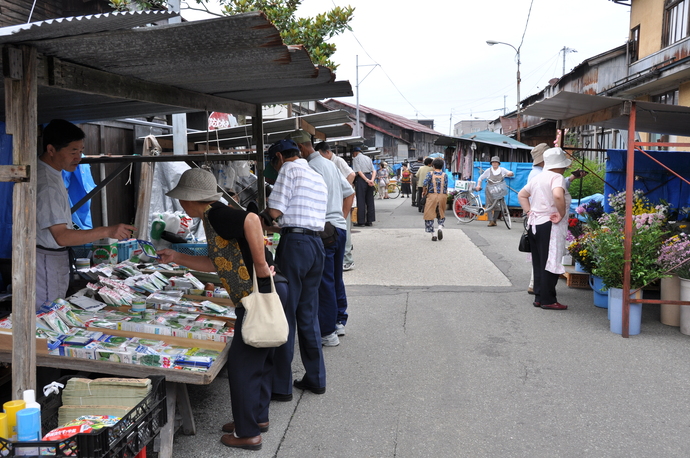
220 121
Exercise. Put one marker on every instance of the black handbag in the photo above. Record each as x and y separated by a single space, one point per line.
329 236
524 243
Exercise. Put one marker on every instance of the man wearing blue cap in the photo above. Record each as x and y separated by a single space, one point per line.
364 187
298 202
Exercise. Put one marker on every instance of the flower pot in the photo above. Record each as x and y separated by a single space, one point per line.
670 291
616 309
685 309
579 268
601 297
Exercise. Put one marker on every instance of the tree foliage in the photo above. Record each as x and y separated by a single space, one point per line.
312 32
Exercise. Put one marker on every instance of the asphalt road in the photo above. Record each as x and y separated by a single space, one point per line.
446 357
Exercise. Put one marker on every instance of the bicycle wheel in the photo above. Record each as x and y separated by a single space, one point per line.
393 190
506 214
461 200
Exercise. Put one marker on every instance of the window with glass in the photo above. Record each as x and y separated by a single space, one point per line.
675 21
635 44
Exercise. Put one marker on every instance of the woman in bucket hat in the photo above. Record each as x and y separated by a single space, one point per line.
235 249
495 176
546 201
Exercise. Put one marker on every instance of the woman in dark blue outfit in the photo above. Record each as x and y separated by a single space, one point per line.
235 247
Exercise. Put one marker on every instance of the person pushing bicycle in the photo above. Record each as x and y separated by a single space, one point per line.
496 187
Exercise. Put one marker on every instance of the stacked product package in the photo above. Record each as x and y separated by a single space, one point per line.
78 327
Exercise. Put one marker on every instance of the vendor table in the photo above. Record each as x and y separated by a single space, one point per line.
176 380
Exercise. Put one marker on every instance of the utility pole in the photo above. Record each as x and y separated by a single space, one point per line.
565 51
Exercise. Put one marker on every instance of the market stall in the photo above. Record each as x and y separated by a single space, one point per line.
51 71
573 110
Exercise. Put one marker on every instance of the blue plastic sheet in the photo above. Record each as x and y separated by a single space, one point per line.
5 196
79 183
656 182
515 184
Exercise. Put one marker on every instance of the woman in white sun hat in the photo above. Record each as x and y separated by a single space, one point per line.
546 201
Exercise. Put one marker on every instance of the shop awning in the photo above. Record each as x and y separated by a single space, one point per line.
573 110
108 66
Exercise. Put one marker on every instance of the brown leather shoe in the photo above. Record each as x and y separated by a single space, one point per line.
554 306
230 427
247 443
492 223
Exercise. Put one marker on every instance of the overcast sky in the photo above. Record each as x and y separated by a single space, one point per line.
433 60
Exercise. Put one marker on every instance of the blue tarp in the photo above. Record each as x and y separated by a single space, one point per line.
79 183
5 196
656 182
515 184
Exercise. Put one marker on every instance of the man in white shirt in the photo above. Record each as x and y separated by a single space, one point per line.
364 187
63 144
298 202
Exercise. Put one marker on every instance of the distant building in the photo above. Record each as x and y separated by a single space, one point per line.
470 126
395 136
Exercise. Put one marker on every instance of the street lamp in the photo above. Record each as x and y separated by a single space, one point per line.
517 53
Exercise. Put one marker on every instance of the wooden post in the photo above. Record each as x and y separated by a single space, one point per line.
258 134
141 219
20 117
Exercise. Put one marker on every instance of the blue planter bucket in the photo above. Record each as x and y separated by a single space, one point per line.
601 297
579 268
616 312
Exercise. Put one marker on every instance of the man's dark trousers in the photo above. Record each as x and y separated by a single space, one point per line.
332 286
300 258
366 213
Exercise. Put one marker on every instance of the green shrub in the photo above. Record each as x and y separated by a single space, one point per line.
593 183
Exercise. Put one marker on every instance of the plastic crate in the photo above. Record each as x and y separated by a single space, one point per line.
83 251
577 280
124 440
195 249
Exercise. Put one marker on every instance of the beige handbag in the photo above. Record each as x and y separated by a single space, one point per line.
264 324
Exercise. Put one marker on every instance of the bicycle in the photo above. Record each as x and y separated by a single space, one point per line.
467 205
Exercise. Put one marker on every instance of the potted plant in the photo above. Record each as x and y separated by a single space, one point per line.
674 258
608 250
451 197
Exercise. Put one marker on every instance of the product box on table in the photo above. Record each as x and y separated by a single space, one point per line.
125 439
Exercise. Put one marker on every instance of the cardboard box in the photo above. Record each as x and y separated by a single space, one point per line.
105 251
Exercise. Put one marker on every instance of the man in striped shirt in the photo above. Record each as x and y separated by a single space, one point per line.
414 168
298 202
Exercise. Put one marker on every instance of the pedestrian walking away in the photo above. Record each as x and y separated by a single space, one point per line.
436 193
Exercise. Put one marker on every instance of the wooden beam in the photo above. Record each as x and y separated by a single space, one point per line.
606 114
21 115
15 173
73 77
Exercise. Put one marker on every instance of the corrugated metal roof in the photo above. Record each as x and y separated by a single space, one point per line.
238 57
485 136
651 117
398 120
78 25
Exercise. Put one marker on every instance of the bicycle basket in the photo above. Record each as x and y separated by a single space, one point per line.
498 190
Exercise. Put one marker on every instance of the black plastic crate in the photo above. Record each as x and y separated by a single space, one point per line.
123 440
